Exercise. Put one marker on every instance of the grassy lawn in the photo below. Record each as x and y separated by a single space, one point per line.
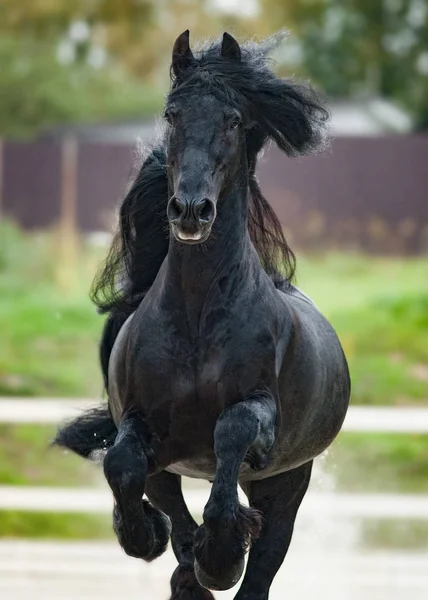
49 333
26 458
49 328
18 524
379 462
379 308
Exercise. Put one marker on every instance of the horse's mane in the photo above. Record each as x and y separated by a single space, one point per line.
289 114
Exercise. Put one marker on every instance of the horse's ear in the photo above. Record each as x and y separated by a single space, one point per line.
230 47
181 54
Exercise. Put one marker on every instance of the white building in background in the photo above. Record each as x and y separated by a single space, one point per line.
368 118
354 118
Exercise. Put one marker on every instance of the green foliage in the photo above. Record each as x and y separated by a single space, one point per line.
379 308
118 26
27 458
361 47
380 462
389 362
49 337
133 38
37 92
349 48
34 90
19 524
42 325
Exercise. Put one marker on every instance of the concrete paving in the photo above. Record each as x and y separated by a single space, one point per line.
100 571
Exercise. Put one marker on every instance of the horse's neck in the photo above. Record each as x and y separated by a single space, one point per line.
192 271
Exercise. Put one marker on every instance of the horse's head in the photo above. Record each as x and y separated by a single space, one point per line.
205 136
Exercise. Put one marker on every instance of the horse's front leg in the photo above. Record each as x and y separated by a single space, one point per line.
278 499
142 530
244 431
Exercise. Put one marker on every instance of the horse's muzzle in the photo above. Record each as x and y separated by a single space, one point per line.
191 220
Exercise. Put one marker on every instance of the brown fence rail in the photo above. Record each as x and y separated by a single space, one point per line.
369 193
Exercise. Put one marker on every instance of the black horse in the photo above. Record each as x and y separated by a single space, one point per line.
216 366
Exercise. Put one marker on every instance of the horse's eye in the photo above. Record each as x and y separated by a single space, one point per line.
234 122
167 115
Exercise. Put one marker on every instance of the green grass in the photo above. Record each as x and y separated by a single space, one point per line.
379 462
27 458
49 334
49 329
379 308
18 524
346 281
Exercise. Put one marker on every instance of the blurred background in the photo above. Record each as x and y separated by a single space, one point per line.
81 85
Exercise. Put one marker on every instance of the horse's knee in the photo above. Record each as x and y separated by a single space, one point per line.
236 429
125 469
246 430
142 530
160 525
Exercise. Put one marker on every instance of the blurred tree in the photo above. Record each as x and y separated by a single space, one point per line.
68 60
118 25
60 62
33 90
360 47
204 20
139 33
37 92
405 74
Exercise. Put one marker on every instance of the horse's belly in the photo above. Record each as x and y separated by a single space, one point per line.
191 469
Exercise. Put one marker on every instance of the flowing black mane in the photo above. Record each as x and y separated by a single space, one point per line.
289 114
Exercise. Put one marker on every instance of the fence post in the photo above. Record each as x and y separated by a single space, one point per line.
68 238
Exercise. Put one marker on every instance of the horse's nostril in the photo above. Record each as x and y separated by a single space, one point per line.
176 208
205 210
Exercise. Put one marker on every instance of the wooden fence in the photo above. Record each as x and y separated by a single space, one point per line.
363 193
359 418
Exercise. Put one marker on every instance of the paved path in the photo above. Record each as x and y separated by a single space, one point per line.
94 571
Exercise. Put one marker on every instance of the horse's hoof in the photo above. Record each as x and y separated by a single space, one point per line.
143 532
184 586
162 528
221 582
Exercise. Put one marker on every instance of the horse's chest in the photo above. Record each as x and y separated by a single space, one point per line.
184 378
200 370
190 368
184 388
195 374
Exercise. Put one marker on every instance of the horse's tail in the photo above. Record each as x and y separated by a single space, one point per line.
93 430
